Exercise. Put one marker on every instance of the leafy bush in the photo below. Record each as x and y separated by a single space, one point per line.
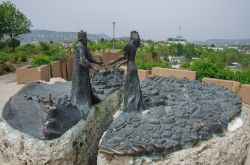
142 63
52 49
213 70
185 64
225 74
40 60
2 44
204 69
242 76
12 58
150 65
5 67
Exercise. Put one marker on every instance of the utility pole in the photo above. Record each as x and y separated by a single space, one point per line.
114 35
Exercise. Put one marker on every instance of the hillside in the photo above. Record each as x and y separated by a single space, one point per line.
48 35
223 42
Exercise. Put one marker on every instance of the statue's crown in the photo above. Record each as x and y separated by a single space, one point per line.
82 34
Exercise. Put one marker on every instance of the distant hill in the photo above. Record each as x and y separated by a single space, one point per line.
223 42
48 35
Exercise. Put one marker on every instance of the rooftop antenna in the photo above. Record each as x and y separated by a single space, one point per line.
113 34
180 36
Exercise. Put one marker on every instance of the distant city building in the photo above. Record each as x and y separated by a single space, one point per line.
235 65
176 59
178 40
233 47
217 49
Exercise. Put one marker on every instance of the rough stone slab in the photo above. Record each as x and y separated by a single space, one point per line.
75 147
230 149
180 114
26 110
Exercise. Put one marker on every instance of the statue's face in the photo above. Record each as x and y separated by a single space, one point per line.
82 37
134 36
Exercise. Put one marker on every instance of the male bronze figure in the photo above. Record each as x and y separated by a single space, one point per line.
82 95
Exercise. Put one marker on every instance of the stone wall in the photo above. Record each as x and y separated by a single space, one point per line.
63 64
27 74
191 75
62 69
78 146
245 93
56 69
106 57
143 73
231 85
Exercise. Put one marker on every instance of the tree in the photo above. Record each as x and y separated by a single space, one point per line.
12 43
13 22
189 51
179 49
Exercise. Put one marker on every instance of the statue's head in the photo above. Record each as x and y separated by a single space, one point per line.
135 38
82 37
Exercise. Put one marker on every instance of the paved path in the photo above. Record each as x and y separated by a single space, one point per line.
8 87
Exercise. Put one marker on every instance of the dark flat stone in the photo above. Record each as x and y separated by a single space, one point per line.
181 114
26 111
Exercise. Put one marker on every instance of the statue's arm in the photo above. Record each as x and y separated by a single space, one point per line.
83 60
123 57
92 58
123 62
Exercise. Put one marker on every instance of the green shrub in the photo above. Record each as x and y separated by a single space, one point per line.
11 57
225 74
213 70
204 69
185 64
242 76
142 63
4 56
2 44
40 60
5 67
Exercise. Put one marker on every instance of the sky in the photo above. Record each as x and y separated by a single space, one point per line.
153 19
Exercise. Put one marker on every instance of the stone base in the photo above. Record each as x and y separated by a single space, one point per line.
75 147
230 149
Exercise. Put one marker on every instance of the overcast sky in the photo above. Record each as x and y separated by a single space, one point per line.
155 19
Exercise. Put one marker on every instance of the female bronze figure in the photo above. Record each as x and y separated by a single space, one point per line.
132 91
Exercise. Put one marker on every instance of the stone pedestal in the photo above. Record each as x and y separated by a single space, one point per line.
77 146
230 149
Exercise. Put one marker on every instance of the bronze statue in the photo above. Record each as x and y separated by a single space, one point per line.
82 95
132 92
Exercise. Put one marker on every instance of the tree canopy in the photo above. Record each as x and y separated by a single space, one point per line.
12 22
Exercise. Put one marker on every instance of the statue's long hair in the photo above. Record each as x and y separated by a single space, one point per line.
135 38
